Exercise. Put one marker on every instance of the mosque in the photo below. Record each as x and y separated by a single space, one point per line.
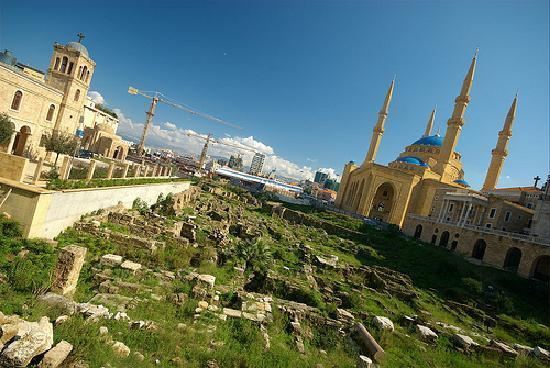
410 182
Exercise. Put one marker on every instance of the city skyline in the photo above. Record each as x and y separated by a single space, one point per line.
314 104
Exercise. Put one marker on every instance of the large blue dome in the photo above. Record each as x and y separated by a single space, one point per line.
78 47
430 140
412 160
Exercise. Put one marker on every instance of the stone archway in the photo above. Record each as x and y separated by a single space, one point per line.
444 240
119 152
513 257
479 249
383 202
541 268
418 231
21 139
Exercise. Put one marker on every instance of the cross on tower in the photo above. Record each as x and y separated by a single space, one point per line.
80 36
536 178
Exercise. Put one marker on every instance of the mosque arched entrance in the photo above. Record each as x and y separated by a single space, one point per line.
383 202
541 268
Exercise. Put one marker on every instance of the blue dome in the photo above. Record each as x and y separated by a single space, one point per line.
462 182
412 160
78 47
6 57
430 140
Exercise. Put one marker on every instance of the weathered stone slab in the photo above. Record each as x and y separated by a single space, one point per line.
69 262
426 333
383 323
35 341
111 260
129 265
55 357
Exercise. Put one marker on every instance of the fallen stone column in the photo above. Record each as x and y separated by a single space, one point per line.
368 342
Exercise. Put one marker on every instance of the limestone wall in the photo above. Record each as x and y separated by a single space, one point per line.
12 167
497 245
45 213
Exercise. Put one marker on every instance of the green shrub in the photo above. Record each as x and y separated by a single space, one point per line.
9 228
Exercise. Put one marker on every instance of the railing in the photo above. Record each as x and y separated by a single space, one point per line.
481 229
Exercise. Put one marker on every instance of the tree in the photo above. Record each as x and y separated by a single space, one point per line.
6 128
60 143
255 254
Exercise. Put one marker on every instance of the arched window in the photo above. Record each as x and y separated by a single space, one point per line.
64 63
16 102
56 65
418 231
84 70
51 110
71 66
77 95
87 75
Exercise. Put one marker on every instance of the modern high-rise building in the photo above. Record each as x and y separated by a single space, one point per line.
257 164
320 177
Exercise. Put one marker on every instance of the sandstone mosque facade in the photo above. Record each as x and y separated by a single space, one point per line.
409 183
424 191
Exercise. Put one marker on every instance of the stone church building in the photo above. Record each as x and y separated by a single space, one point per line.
39 103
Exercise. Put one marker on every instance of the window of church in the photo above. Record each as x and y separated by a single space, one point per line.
16 102
83 73
87 75
51 110
71 66
492 213
507 216
56 65
64 63
77 95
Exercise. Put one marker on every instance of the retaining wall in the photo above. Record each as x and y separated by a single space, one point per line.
45 213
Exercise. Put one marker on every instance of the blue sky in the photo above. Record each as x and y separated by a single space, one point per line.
306 79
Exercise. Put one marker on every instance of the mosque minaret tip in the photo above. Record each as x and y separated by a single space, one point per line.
378 129
430 124
500 152
454 125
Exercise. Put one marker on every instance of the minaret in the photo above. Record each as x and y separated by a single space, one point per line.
455 123
430 124
500 152
378 129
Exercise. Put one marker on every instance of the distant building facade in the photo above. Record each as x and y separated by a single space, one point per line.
236 162
257 164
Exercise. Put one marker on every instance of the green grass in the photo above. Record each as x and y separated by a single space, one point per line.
438 276
58 184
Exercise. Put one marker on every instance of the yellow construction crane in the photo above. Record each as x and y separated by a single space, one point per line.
156 97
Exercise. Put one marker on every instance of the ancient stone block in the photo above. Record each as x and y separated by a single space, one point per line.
29 342
120 350
111 260
426 333
383 323
55 357
69 262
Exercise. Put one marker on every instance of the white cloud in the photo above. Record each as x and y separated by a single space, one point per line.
170 126
96 97
168 135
